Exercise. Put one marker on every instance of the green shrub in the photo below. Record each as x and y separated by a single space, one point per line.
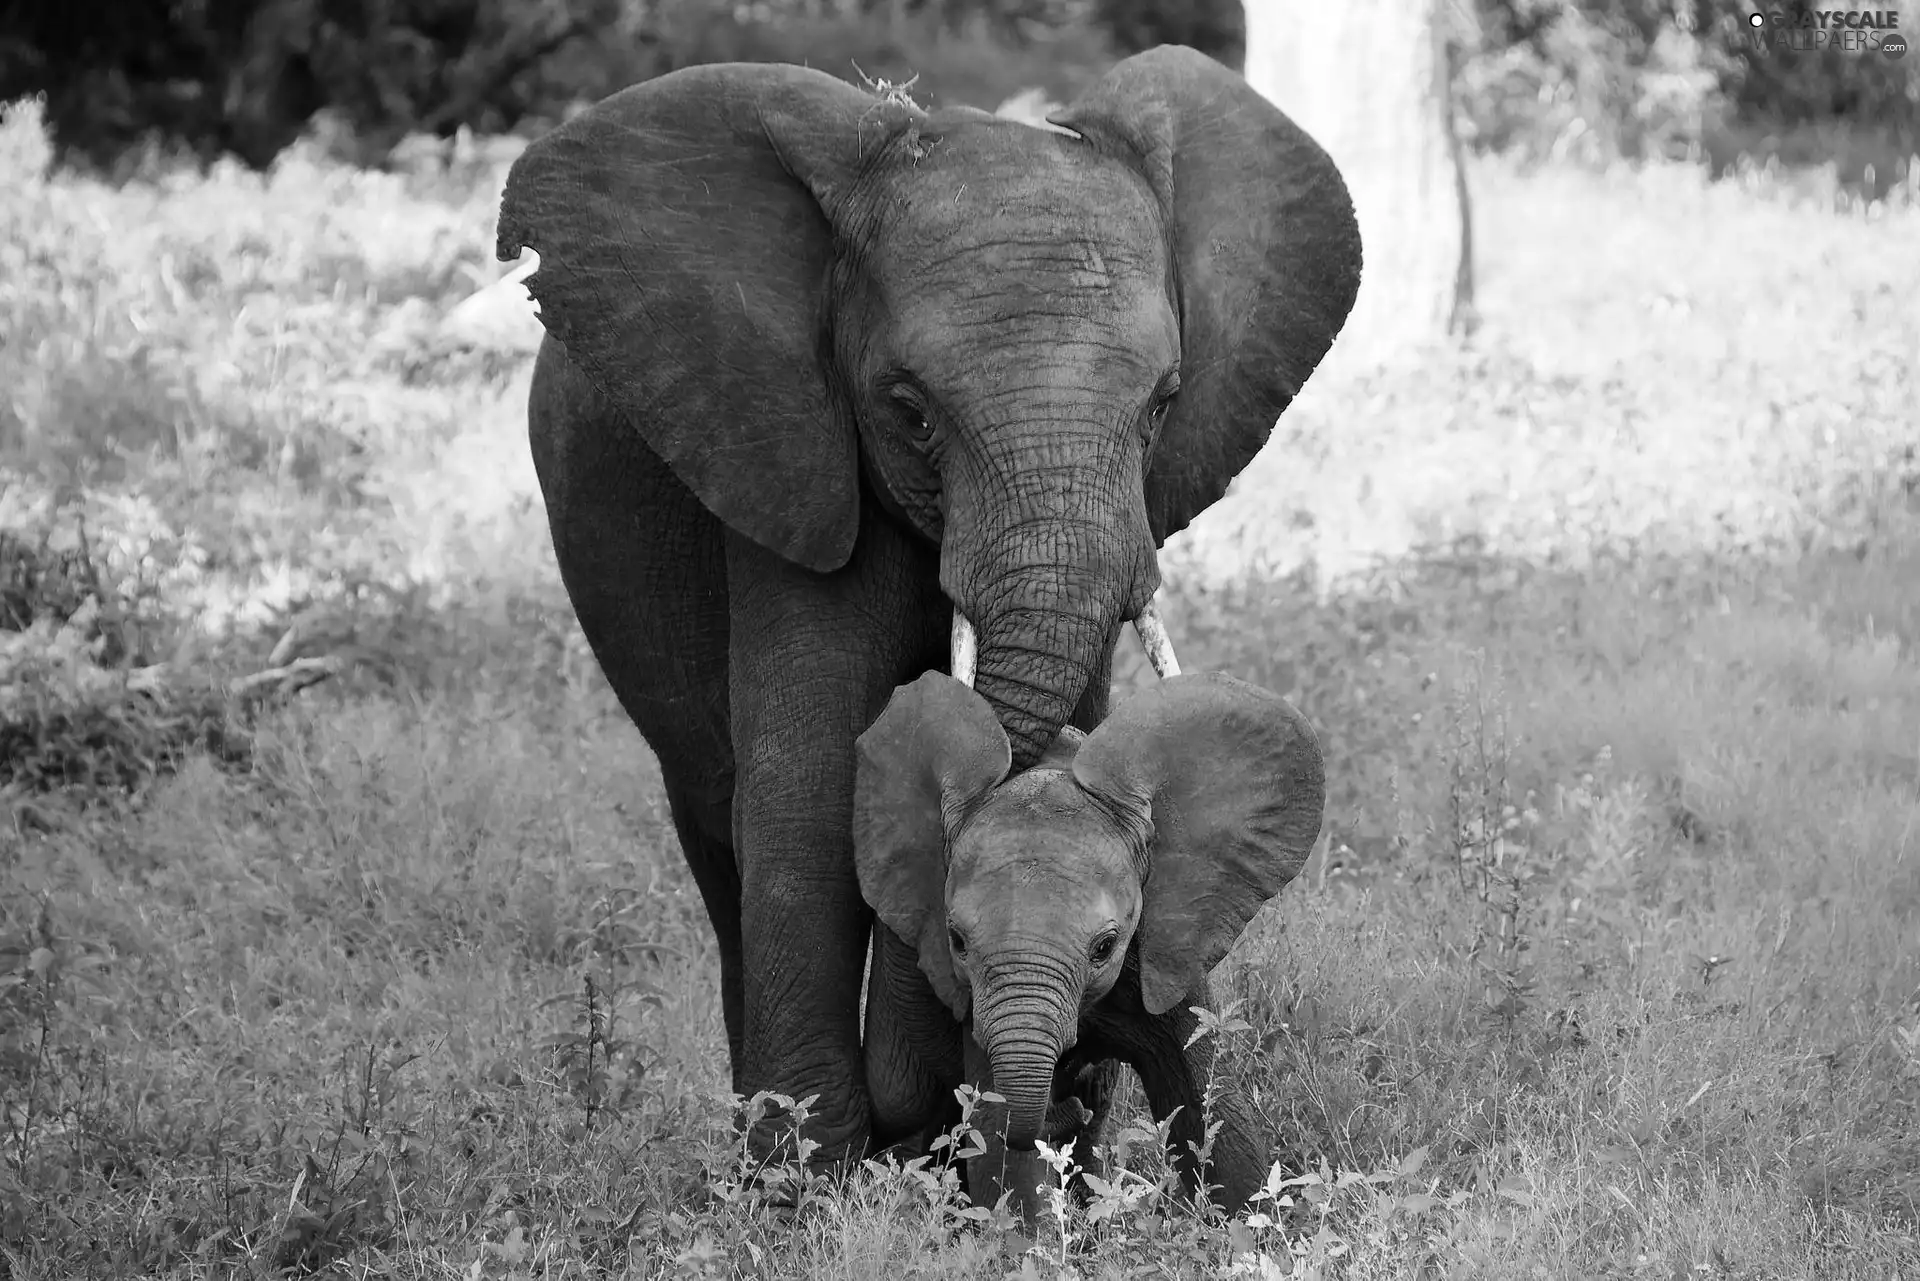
71 720
1217 28
1591 79
217 79
972 62
1596 79
245 79
1584 79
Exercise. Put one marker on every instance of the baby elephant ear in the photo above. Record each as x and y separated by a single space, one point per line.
1232 778
931 757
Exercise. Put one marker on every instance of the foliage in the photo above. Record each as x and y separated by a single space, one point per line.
244 79
70 721
974 63
1217 28
87 711
1590 80
1597 79
426 988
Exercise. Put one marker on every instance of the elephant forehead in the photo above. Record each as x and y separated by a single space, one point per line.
1040 826
983 328
1039 795
1006 198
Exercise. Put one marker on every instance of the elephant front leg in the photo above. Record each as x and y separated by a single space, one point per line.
812 660
803 929
1175 1076
912 1049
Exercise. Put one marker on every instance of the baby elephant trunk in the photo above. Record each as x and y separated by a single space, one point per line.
1024 1038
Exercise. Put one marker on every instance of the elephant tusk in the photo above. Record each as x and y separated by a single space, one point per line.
966 650
1154 639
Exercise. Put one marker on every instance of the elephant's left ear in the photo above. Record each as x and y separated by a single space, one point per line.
923 766
1232 777
1267 255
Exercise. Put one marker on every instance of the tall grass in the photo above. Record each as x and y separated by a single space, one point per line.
1610 626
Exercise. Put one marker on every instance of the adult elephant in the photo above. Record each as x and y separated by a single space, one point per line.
829 381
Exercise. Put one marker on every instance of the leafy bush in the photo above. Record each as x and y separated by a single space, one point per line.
245 79
1596 79
1556 77
71 719
1217 28
975 62
1586 79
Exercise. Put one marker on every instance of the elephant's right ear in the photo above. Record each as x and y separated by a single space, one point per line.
1232 777
684 243
1267 255
932 756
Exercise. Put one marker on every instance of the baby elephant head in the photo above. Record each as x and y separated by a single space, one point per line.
1166 829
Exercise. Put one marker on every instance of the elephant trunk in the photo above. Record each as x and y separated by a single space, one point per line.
1024 1078
1024 1032
1047 594
1034 664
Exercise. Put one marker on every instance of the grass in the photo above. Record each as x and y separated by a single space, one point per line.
1610 624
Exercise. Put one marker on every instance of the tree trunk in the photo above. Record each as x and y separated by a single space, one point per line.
1371 81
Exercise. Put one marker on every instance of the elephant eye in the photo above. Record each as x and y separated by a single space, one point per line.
1163 398
957 942
911 409
1102 950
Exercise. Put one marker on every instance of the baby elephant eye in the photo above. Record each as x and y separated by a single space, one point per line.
1102 950
957 942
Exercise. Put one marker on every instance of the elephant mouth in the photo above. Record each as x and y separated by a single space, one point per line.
964 656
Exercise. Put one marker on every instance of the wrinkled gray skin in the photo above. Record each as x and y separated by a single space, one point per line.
1074 908
821 368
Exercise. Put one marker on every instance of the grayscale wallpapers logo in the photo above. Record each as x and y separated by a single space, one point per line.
1801 30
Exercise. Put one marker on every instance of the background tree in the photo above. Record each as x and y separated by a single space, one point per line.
1371 80
244 79
1580 81
1216 28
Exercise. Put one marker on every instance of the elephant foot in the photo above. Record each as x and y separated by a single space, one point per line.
1074 1120
1021 1177
827 1137
1027 1177
1066 1118
1240 1157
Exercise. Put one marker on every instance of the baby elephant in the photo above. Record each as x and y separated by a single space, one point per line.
1073 910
